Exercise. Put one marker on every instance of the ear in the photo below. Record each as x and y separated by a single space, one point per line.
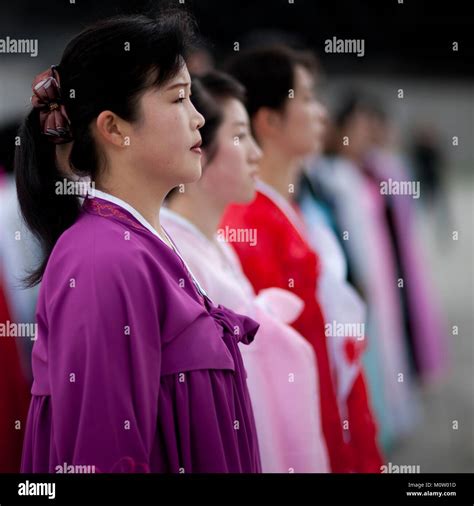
112 129
63 153
266 122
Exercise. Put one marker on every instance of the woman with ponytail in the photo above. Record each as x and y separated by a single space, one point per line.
135 369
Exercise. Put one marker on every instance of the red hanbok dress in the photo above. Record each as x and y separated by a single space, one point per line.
282 257
14 395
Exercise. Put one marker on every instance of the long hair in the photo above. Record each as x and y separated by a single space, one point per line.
108 66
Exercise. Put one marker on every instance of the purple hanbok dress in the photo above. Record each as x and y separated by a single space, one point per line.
135 369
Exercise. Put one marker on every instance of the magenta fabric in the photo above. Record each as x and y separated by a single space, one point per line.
134 370
281 365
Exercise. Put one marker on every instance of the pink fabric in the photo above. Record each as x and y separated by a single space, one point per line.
281 366
340 303
430 342
361 215
3 176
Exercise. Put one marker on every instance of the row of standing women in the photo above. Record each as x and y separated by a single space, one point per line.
195 312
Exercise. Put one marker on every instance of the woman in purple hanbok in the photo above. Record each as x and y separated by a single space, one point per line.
135 369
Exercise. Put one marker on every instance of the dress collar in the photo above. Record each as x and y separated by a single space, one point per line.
141 219
182 222
284 206
124 205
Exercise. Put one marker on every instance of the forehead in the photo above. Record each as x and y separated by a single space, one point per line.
183 73
234 111
303 77
182 76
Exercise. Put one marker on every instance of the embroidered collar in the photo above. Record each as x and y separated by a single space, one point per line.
140 218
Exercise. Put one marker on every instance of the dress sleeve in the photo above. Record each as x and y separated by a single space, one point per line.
262 264
104 364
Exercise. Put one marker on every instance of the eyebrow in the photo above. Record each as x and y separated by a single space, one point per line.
178 85
242 123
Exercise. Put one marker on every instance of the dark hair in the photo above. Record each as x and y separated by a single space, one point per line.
106 67
354 101
268 74
8 135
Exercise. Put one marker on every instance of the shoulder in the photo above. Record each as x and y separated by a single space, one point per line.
242 214
103 253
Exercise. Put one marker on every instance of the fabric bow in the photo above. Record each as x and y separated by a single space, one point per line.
246 327
46 97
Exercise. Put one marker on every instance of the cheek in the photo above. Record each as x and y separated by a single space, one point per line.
215 177
160 139
160 146
235 165
297 131
167 126
306 120
227 175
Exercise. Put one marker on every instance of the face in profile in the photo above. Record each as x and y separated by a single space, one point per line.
303 119
231 174
165 140
359 128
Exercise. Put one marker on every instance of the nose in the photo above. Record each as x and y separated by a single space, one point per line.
198 120
255 151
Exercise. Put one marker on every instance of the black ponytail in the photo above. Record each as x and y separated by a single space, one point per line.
106 67
46 214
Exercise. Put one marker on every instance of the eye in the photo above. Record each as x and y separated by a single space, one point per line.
180 100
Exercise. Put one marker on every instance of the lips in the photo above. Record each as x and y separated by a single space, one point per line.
197 147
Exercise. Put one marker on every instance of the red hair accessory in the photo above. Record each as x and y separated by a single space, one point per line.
46 97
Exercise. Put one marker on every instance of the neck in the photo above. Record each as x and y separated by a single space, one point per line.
146 199
202 212
353 154
280 171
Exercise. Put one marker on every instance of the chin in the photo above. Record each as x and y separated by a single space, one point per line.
192 174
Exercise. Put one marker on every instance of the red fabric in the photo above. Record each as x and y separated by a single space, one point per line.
365 450
282 258
14 398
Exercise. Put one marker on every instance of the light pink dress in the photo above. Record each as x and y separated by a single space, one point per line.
280 363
